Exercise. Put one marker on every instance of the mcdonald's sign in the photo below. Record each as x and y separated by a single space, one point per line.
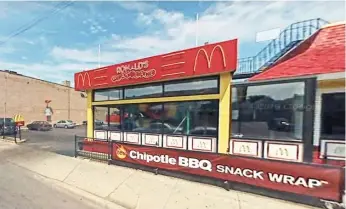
205 60
81 80
209 58
282 152
19 120
244 149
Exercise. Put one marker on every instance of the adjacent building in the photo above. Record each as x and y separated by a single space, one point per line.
37 99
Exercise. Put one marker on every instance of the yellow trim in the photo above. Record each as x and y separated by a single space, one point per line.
224 112
329 84
334 24
90 119
160 99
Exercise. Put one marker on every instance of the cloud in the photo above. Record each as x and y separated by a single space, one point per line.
48 71
174 30
137 6
221 21
85 56
94 26
161 16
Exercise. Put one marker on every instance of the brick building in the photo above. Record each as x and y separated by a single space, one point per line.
25 95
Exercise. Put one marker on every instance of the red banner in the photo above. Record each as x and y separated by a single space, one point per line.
312 180
204 60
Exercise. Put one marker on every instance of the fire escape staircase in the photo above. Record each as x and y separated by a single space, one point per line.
288 40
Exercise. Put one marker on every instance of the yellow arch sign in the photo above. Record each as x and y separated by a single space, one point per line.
19 119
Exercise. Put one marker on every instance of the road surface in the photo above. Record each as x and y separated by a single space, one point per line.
23 189
58 140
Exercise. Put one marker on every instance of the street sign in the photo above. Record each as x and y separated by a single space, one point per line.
19 120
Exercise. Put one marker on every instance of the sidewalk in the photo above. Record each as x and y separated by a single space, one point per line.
135 189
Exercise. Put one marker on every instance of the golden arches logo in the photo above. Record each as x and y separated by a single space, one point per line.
282 151
83 76
211 56
18 118
244 148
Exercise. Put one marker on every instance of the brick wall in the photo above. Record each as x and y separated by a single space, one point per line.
26 96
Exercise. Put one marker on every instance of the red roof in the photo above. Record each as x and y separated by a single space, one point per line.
324 52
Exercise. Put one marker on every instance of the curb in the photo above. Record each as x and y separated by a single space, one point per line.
11 140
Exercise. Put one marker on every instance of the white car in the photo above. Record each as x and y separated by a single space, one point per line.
64 124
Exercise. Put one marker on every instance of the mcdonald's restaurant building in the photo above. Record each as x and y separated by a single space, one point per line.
28 96
181 112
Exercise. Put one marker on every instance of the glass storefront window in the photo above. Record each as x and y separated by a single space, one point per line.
271 111
100 118
191 118
144 91
115 94
333 116
142 118
109 94
176 88
114 119
101 95
192 87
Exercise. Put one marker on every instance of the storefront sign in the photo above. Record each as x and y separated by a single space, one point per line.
136 70
317 181
204 60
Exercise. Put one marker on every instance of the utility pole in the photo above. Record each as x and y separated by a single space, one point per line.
99 55
69 103
5 102
5 99
197 29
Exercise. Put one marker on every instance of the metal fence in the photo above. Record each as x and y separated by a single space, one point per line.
12 135
81 144
287 40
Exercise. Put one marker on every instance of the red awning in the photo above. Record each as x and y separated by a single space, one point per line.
324 52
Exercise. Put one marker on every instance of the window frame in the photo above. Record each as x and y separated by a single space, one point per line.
217 78
305 103
162 84
108 92
143 86
161 120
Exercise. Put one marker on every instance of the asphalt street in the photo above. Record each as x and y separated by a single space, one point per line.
23 189
58 140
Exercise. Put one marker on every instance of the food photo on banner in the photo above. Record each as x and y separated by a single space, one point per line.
317 181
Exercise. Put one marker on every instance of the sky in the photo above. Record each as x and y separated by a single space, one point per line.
67 41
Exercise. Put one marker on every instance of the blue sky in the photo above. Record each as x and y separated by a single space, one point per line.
67 42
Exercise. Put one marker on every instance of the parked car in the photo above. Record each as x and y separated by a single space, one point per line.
7 126
156 127
65 124
280 124
204 131
97 122
39 126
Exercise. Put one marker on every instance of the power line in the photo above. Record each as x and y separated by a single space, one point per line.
37 18
57 8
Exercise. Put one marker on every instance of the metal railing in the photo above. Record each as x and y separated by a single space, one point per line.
12 135
287 40
84 145
81 148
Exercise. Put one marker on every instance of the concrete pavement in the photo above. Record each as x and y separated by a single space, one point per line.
21 188
135 189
